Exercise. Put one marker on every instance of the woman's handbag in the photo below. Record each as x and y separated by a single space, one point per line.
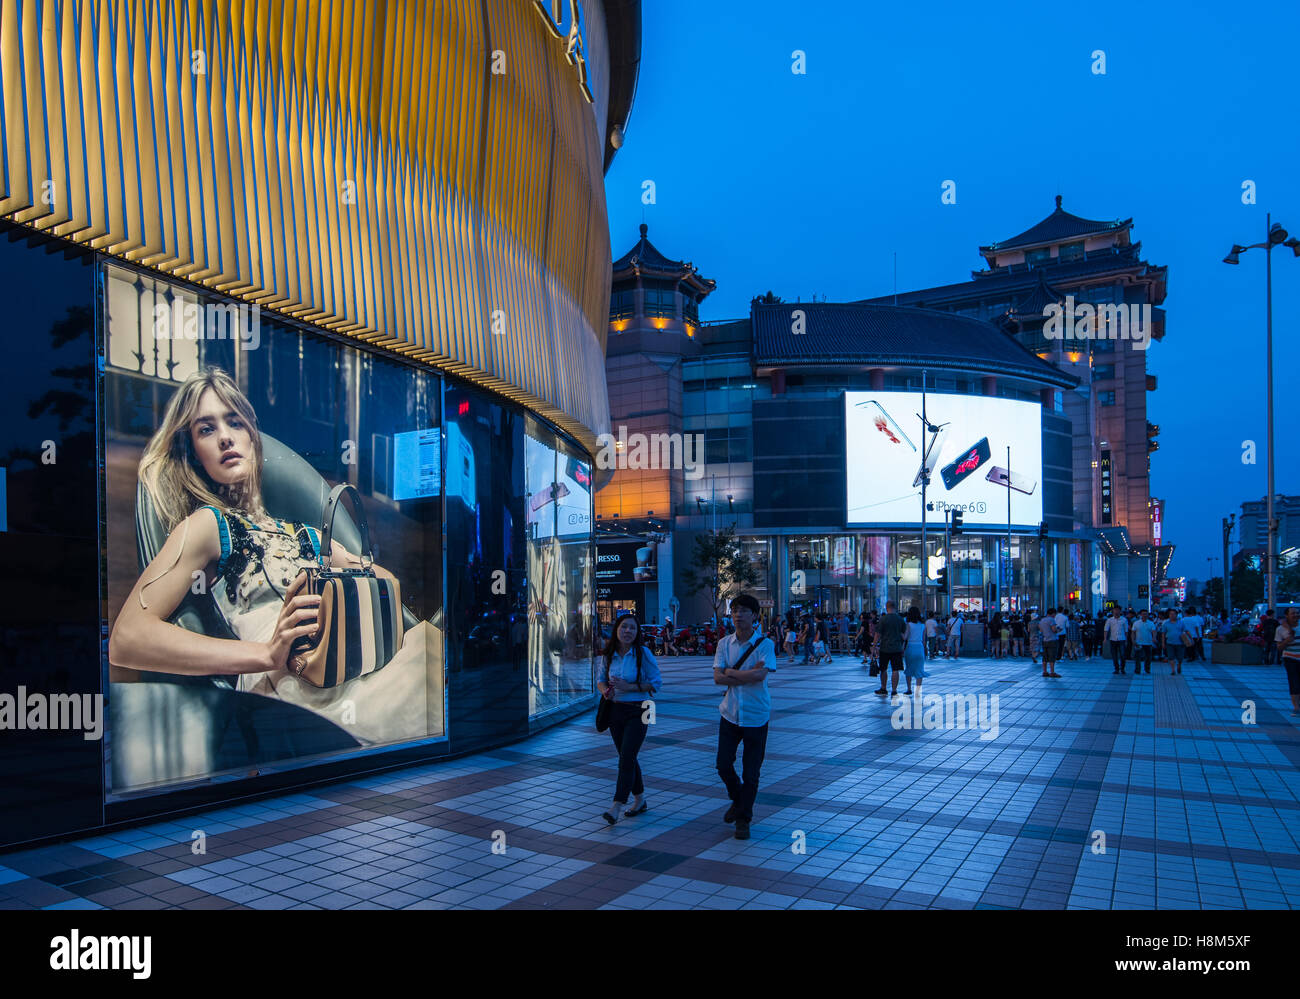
360 614
1188 640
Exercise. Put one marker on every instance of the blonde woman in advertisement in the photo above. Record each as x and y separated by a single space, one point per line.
203 471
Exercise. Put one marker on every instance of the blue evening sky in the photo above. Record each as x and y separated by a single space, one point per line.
809 184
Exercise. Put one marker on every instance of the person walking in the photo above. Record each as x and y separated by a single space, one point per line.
670 644
863 645
1047 629
954 636
631 675
741 664
1088 634
1195 626
1144 642
1074 633
931 635
914 652
807 632
892 630
1175 648
1035 637
1286 637
1017 635
1267 629
1117 635
1062 628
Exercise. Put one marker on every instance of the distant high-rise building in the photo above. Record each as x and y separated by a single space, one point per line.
1253 524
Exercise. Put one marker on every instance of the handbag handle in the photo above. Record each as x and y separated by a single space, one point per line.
327 513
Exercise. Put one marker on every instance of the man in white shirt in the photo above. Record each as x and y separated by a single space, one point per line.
741 664
931 636
1117 635
954 636
1062 626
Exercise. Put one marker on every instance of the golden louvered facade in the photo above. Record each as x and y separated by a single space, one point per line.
395 172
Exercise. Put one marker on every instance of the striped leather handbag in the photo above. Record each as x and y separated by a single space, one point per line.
360 615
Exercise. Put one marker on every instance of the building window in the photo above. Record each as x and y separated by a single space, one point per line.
660 298
1036 257
1071 251
723 445
621 304
1103 371
690 309
1106 398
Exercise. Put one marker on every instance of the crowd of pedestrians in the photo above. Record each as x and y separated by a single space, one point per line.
896 647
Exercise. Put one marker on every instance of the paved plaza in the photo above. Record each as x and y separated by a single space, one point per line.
1092 791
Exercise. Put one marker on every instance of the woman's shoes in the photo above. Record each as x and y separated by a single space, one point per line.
609 817
636 810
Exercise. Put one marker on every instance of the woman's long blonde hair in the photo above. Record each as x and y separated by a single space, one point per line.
172 472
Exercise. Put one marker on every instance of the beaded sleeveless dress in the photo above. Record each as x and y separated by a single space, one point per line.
258 563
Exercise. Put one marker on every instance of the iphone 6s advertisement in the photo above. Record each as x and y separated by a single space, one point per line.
888 452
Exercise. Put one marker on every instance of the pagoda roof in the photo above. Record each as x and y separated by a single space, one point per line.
1020 279
1058 227
645 255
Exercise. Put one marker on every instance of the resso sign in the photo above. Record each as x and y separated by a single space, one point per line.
564 19
625 563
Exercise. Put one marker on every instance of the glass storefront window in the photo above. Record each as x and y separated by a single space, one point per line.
561 579
224 432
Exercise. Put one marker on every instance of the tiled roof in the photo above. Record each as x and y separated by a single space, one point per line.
1056 228
1007 282
647 256
1037 301
885 335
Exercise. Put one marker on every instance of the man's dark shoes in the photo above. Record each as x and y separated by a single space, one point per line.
742 829
731 814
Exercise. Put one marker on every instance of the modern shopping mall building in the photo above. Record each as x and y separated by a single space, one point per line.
385 225
813 443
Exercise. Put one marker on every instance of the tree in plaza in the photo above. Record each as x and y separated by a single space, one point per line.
720 568
1247 586
1214 592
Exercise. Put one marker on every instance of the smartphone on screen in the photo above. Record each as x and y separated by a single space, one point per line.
965 464
929 464
999 476
886 424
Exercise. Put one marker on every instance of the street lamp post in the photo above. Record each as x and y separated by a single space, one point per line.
1211 559
1228 523
1274 235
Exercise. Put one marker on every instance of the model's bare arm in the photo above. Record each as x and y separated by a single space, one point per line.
144 639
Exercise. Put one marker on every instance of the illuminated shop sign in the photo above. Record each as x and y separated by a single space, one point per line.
633 562
565 20
1105 487
1155 524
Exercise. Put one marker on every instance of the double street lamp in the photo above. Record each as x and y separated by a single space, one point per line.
1274 235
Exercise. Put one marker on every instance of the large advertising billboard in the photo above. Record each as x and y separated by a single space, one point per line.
232 648
886 453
